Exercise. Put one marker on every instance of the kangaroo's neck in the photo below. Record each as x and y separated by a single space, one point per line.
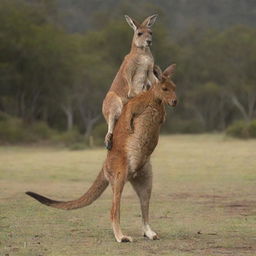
140 50
155 99
156 107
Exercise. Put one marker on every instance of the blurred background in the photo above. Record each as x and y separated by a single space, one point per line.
59 57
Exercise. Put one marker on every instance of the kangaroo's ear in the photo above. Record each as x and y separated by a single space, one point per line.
150 21
157 72
168 72
132 23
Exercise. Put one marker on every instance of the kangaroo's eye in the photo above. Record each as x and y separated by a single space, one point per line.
140 34
165 89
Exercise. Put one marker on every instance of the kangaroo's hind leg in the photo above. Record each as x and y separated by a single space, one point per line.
142 184
117 182
112 108
109 136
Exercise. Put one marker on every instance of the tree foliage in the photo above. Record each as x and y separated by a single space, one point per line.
49 73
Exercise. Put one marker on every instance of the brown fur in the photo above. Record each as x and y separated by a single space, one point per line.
135 138
134 76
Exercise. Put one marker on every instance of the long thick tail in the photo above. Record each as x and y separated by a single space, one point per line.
97 188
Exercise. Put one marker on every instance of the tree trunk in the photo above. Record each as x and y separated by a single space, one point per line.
240 108
89 119
199 115
90 124
70 120
222 113
21 105
68 111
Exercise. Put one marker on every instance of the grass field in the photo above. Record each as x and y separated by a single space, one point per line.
203 201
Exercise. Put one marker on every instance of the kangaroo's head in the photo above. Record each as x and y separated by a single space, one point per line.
142 32
165 87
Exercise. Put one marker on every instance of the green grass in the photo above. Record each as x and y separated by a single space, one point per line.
203 201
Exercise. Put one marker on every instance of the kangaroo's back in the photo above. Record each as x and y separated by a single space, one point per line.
119 85
145 117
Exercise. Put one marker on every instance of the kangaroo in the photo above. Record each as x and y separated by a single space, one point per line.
134 76
135 138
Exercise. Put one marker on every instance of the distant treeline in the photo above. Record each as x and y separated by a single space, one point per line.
178 15
50 74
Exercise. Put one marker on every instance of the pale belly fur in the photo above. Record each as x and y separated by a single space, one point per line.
141 77
143 141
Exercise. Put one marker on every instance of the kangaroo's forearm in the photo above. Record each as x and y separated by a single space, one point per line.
129 74
129 121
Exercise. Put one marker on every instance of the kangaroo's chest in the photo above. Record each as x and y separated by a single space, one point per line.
144 67
143 141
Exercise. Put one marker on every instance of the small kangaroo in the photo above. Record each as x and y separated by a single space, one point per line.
135 74
135 138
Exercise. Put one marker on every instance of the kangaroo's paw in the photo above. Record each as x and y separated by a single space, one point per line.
149 233
130 130
108 141
125 239
153 237
131 94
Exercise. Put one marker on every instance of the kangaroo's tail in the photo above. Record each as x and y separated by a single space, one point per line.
97 188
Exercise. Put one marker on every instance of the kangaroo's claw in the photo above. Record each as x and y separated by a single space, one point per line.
126 239
108 141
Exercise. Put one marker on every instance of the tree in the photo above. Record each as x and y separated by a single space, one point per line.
238 48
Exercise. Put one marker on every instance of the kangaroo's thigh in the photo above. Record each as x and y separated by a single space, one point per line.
112 107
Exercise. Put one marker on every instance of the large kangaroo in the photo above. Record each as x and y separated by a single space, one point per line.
135 138
134 76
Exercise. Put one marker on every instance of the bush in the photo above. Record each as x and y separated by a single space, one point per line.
3 116
183 126
252 129
71 139
78 146
14 130
99 133
41 130
242 129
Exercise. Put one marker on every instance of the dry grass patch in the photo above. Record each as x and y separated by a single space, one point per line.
203 202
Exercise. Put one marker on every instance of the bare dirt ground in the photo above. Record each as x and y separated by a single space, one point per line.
203 201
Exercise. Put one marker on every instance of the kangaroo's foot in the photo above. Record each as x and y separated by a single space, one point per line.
124 239
152 237
149 233
120 238
108 140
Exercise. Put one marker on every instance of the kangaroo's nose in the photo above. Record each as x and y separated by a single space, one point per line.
149 42
174 103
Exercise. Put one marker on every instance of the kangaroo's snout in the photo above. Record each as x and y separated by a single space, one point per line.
173 103
149 42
